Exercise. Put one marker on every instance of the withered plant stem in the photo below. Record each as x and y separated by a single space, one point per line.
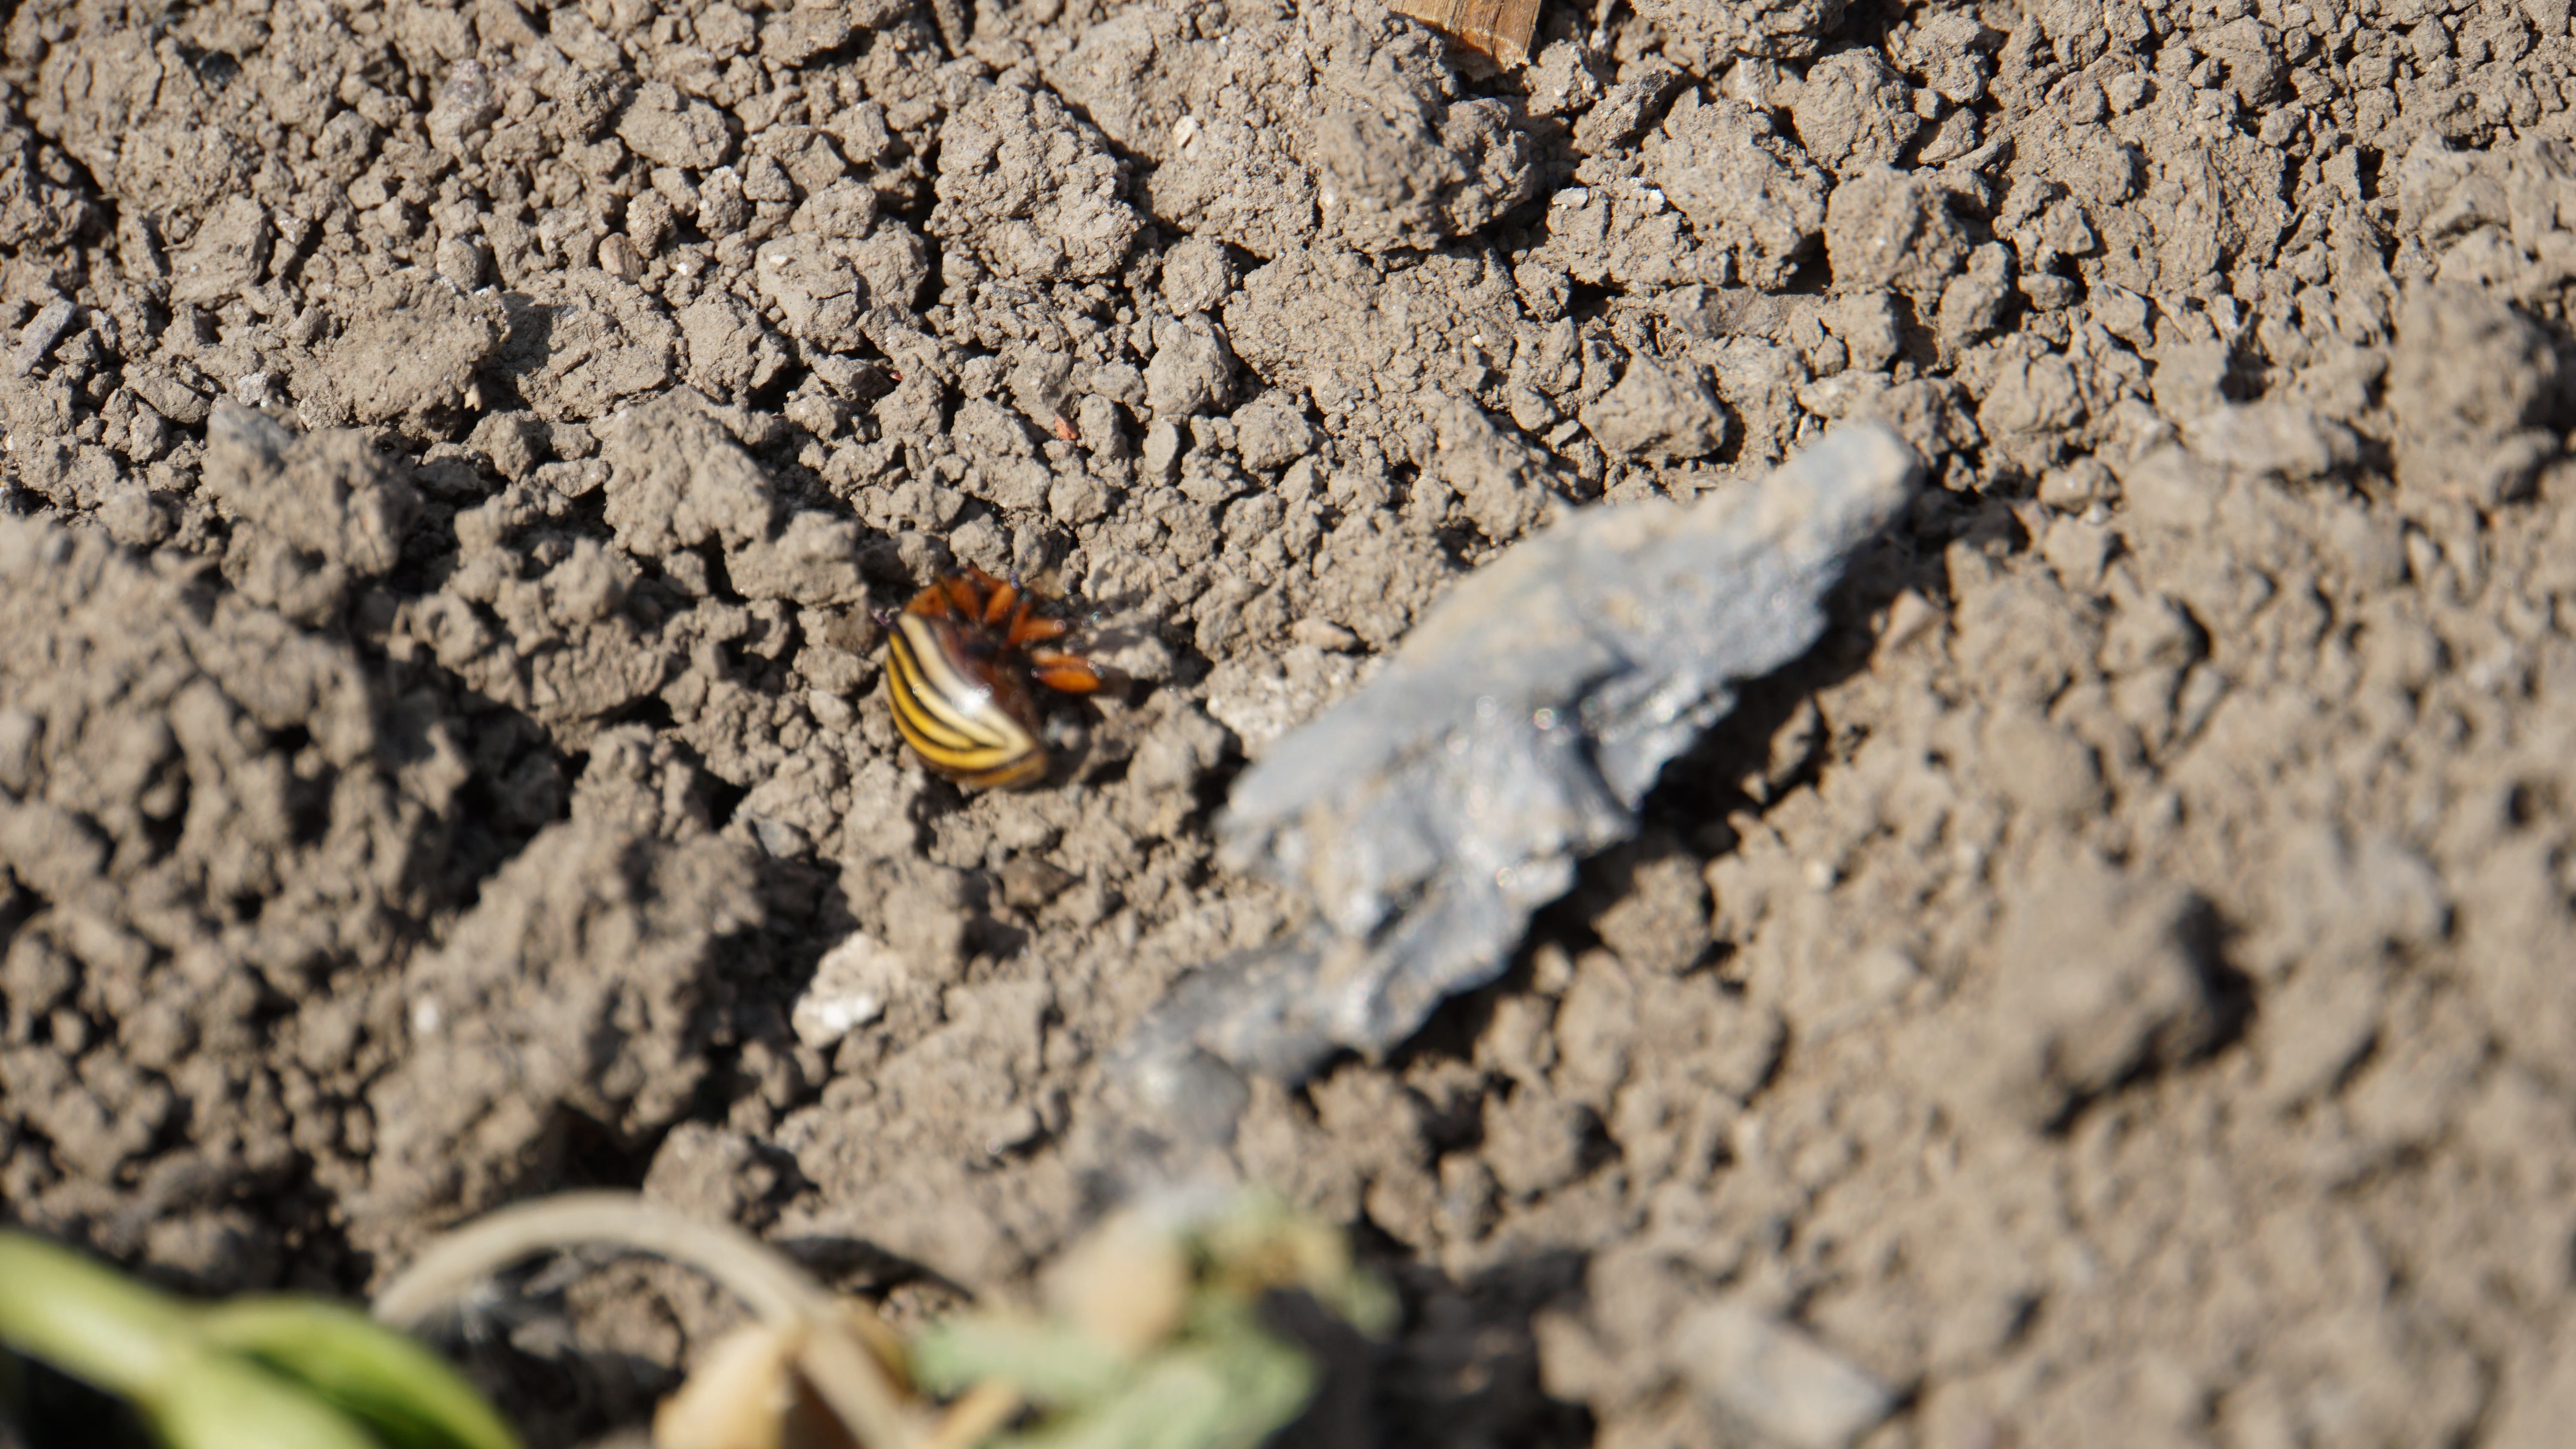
786 1299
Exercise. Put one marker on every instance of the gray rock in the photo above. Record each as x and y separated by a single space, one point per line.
1513 733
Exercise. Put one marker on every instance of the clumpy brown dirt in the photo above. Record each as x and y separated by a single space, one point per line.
2121 989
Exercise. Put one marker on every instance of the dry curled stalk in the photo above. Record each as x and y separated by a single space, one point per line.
829 1354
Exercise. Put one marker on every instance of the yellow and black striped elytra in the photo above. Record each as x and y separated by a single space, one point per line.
961 719
960 660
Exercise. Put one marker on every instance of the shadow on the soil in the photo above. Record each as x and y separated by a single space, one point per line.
1462 1371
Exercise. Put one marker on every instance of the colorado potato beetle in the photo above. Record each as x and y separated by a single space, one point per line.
960 659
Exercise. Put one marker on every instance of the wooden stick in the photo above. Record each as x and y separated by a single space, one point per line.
1499 28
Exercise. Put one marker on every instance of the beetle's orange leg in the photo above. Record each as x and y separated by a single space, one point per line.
1033 628
1064 673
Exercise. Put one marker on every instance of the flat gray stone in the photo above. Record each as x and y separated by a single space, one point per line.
1514 733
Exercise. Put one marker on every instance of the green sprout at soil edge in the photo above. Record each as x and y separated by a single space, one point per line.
252 1373
1150 1334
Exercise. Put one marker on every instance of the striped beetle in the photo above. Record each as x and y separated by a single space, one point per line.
959 662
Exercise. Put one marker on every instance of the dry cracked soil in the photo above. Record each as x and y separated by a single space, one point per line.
2120 989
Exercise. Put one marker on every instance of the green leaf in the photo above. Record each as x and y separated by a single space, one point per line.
262 1373
406 1394
1048 1363
217 1401
86 1319
1229 1395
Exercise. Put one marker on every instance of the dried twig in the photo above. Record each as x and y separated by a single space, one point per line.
829 1355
